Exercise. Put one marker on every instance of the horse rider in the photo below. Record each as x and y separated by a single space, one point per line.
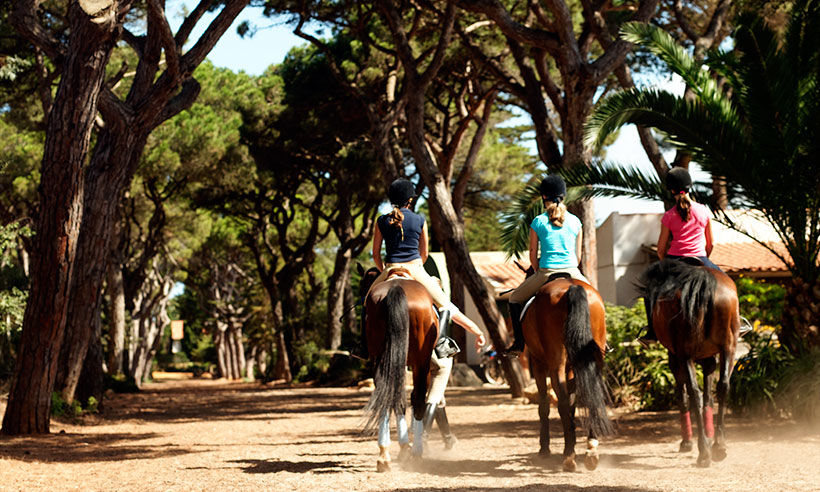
404 234
558 233
686 232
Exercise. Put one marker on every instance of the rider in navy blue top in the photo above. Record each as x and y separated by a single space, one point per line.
401 243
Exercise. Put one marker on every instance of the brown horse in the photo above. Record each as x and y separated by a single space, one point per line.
695 314
565 332
401 329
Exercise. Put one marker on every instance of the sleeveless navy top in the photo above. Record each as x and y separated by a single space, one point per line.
401 250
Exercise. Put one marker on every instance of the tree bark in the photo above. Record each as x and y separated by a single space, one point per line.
116 319
91 383
151 101
68 131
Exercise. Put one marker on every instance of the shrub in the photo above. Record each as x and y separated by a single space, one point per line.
638 377
760 301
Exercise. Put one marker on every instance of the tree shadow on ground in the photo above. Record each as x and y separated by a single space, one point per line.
539 487
276 466
85 448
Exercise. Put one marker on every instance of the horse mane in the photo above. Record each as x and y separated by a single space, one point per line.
663 280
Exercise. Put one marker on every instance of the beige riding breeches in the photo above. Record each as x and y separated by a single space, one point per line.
530 286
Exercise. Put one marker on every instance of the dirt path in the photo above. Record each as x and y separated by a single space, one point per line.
215 436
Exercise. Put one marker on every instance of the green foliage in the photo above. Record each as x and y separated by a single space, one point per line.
61 408
120 383
799 391
758 374
638 377
310 360
761 302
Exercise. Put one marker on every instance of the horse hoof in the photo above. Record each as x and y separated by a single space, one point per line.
382 466
704 462
685 447
718 453
449 442
404 453
544 452
591 461
569 464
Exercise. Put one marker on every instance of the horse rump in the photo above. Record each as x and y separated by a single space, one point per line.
390 365
663 280
583 352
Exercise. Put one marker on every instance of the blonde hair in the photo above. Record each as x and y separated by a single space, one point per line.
683 205
556 212
395 218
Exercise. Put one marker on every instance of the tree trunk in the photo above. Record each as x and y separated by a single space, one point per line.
801 315
336 297
282 368
116 319
450 234
104 185
91 383
61 197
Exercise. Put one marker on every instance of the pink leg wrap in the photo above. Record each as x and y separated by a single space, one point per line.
685 426
708 425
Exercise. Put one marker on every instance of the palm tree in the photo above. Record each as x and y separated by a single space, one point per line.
753 120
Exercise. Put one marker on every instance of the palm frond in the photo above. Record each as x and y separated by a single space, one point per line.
515 222
614 180
664 46
688 125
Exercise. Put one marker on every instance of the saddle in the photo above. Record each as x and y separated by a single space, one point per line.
553 276
691 260
399 272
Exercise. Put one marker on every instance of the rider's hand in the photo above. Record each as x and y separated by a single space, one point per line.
479 341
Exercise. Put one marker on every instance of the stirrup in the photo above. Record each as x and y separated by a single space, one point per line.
446 347
745 326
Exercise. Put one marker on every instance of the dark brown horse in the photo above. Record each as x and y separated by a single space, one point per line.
401 329
565 332
694 312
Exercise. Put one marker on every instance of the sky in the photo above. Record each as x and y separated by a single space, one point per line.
273 38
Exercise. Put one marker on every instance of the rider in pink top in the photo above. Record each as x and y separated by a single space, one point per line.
686 225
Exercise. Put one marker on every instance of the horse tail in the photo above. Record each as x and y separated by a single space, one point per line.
389 368
697 288
581 351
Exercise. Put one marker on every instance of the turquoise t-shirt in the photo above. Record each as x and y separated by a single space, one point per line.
557 243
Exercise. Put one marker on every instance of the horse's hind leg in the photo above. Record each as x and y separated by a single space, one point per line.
708 365
539 372
727 360
679 371
695 404
404 437
383 461
567 412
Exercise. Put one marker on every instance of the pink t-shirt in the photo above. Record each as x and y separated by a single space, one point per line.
688 238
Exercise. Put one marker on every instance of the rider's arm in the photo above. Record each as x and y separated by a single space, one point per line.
534 249
579 245
663 242
377 247
708 233
423 243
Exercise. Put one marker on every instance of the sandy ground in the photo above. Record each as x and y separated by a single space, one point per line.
215 436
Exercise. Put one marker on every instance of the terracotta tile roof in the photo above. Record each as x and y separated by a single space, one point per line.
744 257
502 274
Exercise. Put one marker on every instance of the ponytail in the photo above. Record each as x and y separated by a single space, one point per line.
683 205
396 218
556 211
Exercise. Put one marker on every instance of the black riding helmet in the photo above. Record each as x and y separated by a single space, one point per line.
401 191
553 187
678 180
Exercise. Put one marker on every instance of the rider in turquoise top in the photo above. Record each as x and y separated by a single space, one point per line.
557 243
558 233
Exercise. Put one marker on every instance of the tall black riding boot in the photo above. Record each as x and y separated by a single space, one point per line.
429 414
517 346
445 346
649 336
444 427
